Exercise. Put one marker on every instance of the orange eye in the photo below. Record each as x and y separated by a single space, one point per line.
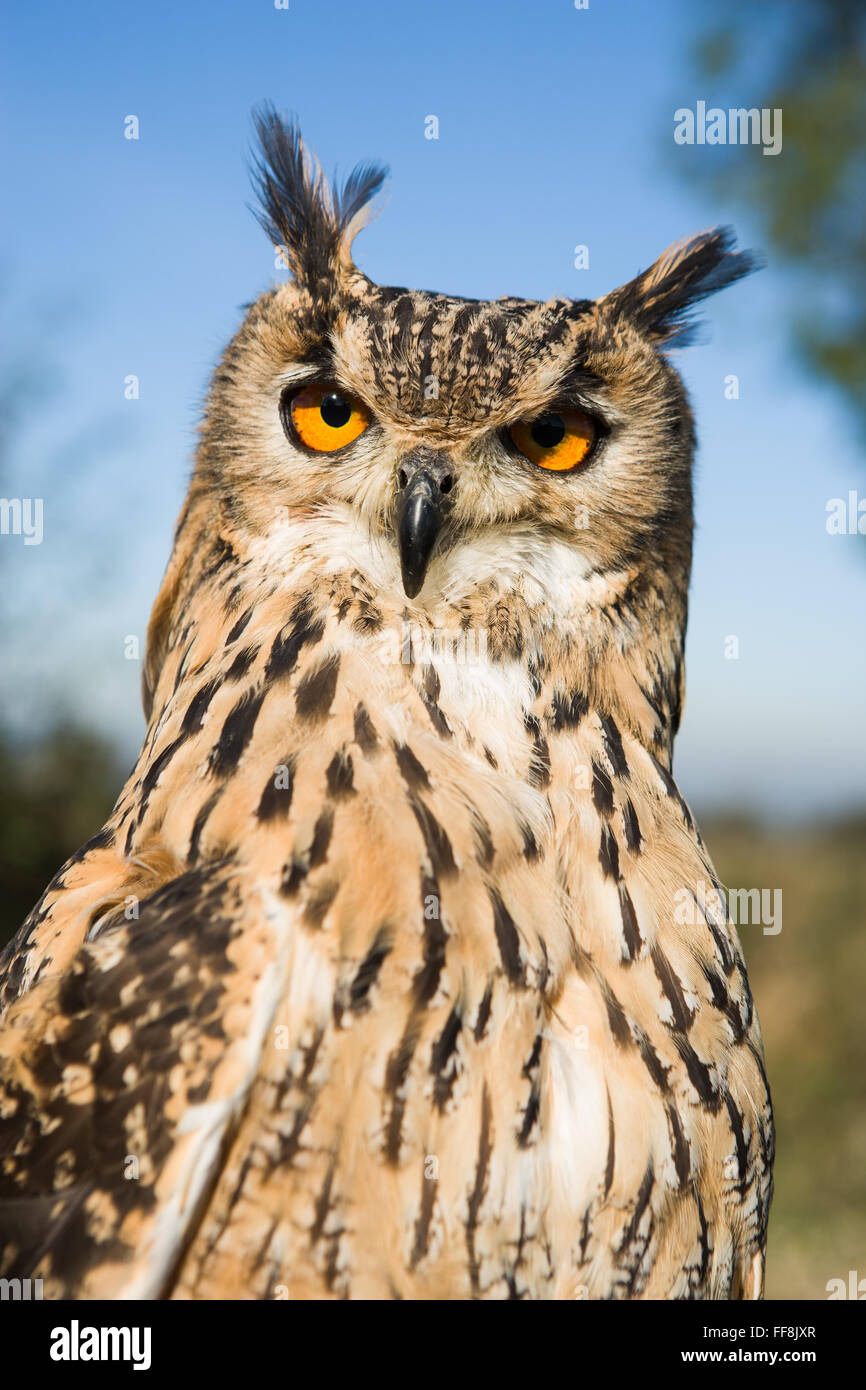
559 440
324 418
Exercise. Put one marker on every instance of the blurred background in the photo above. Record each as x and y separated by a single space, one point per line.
124 267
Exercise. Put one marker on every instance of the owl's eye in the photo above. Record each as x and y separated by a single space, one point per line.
323 418
560 440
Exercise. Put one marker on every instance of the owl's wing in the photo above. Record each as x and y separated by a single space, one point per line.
87 891
122 1081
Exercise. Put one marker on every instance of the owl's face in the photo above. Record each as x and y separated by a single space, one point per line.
433 443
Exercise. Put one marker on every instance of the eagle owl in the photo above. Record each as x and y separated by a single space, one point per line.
400 969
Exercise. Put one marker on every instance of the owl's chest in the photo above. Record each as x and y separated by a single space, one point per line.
478 1085
469 1151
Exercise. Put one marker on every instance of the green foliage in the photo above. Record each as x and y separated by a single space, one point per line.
809 983
53 796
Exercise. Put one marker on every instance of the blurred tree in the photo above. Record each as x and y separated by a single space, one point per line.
812 196
54 795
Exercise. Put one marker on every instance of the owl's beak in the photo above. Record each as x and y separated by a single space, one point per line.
422 501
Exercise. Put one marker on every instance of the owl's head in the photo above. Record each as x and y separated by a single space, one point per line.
434 444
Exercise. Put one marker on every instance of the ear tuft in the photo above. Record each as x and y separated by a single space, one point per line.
299 211
660 301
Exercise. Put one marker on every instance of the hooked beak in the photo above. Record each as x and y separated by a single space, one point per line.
422 502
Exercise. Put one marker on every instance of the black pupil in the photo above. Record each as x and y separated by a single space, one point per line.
548 431
336 410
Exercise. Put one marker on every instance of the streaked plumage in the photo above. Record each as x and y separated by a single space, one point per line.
374 984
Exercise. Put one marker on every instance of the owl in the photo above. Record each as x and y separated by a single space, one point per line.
400 968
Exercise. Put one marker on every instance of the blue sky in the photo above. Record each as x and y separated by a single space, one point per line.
555 129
